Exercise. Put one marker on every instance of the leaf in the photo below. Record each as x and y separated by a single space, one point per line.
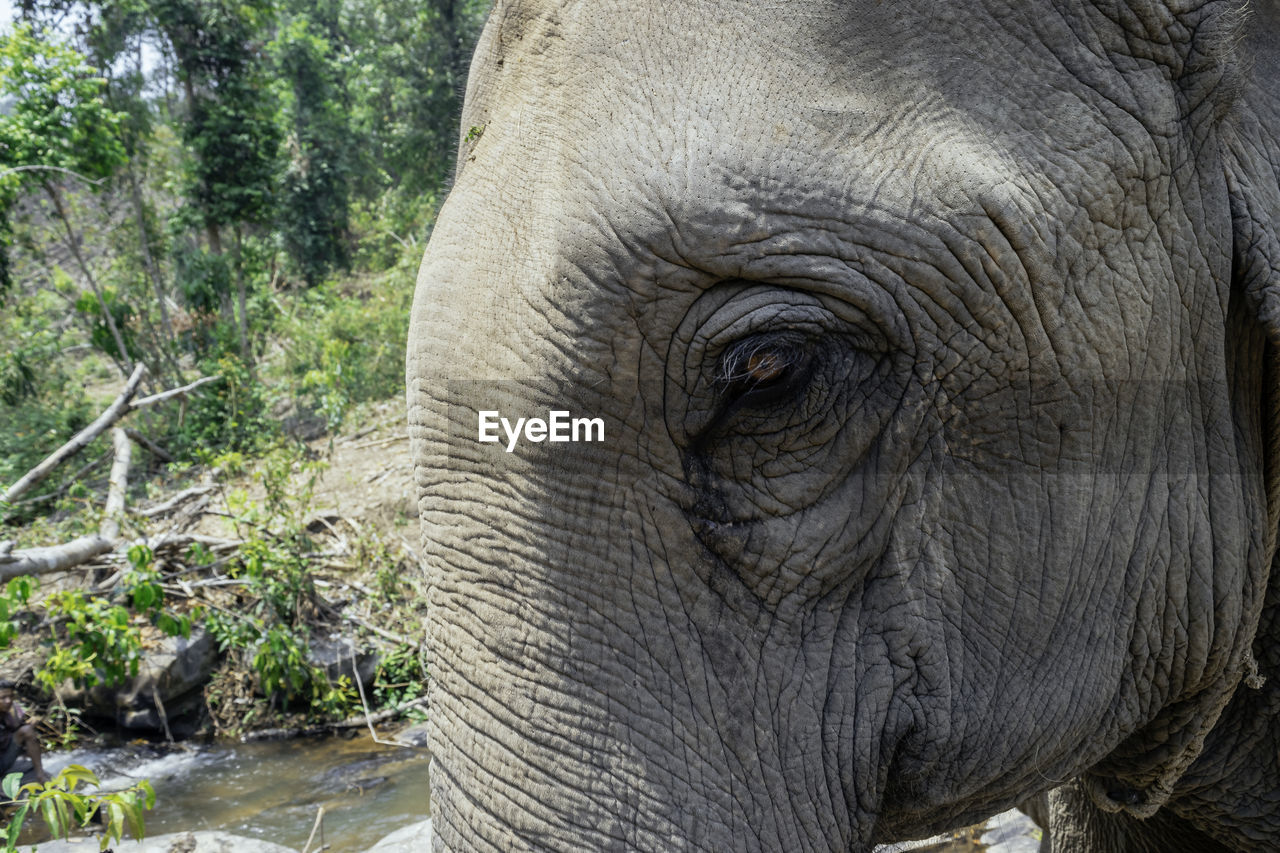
15 826
10 785
49 811
115 823
133 818
76 773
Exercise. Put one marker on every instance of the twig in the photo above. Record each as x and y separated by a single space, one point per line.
399 639
356 722
317 825
173 502
355 672
174 392
37 167
380 441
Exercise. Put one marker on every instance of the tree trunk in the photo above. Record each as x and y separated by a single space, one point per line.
243 327
124 362
147 259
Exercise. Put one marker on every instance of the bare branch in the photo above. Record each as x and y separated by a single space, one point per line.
38 168
117 410
173 392
173 502
38 561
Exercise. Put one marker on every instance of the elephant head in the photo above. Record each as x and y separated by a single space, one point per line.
934 350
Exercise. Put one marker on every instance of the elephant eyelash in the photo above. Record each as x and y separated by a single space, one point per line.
761 370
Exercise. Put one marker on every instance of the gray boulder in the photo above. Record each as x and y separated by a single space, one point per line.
333 653
174 671
413 838
177 842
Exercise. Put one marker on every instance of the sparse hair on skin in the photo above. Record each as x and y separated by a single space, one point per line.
758 361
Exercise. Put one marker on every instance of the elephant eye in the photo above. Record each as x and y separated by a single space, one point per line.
762 370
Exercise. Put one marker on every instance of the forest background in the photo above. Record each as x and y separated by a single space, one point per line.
237 189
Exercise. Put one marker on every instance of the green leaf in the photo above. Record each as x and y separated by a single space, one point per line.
10 784
76 773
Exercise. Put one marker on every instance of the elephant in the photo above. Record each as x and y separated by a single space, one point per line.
934 350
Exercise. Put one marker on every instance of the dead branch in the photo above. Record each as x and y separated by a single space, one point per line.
356 722
117 485
174 392
377 442
118 409
154 449
38 561
173 502
65 487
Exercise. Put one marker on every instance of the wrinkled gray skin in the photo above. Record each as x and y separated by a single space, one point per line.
933 343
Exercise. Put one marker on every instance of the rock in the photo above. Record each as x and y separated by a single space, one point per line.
299 420
178 842
413 838
333 654
175 670
1011 832
415 735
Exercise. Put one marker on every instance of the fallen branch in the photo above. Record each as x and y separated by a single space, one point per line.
380 441
398 639
173 392
173 502
118 409
38 561
65 487
117 485
121 406
356 722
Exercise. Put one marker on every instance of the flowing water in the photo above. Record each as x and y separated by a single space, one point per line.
272 790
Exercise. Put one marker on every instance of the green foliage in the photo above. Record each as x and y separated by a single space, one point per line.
344 351
399 679
41 403
64 808
59 119
16 594
230 129
226 415
271 631
313 212
100 334
103 643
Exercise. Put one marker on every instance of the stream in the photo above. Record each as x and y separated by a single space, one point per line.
271 790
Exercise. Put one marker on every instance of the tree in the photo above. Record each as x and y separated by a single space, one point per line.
313 214
59 126
230 130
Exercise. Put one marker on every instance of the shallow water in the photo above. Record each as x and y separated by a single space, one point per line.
272 790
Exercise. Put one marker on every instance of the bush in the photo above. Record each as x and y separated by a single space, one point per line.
342 350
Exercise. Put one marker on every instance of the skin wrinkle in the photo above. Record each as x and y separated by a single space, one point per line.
887 726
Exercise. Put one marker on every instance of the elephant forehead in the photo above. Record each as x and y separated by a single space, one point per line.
623 145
